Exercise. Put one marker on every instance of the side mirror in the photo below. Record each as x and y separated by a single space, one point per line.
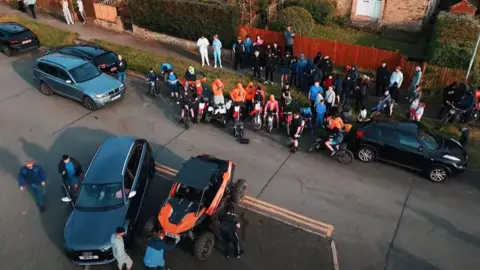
132 194
68 81
420 149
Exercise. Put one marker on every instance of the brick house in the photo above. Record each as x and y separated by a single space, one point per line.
469 7
409 15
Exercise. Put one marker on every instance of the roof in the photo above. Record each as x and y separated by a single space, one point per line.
90 50
473 3
196 173
65 61
107 165
12 27
410 126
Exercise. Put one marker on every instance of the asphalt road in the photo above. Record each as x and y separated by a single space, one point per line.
384 217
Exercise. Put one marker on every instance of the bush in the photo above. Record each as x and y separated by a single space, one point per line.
186 19
322 10
299 18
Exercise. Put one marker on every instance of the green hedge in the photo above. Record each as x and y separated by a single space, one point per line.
299 18
186 19
323 11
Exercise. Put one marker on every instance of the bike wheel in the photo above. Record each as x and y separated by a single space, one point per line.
345 157
444 120
312 148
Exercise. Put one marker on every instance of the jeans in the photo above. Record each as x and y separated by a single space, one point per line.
37 193
320 118
32 10
121 76
217 59
230 239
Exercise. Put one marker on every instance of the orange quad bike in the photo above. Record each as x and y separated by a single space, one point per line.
201 189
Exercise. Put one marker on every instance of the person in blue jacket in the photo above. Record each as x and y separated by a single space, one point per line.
33 177
165 69
154 258
248 50
301 70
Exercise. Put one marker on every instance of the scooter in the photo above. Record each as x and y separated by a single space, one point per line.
218 112
256 115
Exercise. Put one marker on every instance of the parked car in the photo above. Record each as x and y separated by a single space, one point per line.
76 79
15 37
102 57
410 144
110 195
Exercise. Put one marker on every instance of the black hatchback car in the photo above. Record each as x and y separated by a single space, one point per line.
410 144
15 37
110 196
100 56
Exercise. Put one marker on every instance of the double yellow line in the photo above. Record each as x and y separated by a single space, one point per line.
271 210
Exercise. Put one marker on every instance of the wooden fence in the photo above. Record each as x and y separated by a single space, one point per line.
366 58
105 12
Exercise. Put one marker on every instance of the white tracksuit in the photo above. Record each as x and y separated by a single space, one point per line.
202 44
66 12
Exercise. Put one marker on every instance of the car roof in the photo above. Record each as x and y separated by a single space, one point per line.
196 173
108 164
91 50
66 61
12 27
408 126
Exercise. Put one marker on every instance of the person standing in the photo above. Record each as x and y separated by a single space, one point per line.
121 66
217 52
361 92
202 44
229 225
248 48
320 109
293 71
330 98
381 79
21 6
327 66
81 10
258 45
66 12
417 78
256 65
31 7
154 258
33 177
347 88
288 35
285 68
302 67
419 112
276 52
413 108
270 67
396 77
239 52
118 249
71 172
312 93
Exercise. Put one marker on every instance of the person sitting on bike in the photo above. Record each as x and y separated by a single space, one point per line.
296 130
334 122
249 97
271 107
362 116
387 101
186 100
259 93
218 88
190 76
333 143
467 102
152 77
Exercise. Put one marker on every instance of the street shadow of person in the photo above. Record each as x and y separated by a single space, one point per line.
23 66
402 259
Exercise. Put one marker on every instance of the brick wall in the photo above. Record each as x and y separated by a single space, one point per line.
404 14
116 26
463 8
344 7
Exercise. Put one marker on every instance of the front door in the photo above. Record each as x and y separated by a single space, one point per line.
369 8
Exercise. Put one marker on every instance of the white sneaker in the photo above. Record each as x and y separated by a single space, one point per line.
215 66
221 66
208 64
203 64
66 199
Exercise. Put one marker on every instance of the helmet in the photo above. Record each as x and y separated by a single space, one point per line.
191 70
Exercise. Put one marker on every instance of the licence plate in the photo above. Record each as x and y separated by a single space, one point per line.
95 257
170 235
26 41
115 98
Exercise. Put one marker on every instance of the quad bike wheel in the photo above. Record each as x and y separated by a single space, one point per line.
239 190
204 245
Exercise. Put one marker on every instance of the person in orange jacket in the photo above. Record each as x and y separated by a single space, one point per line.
249 96
218 88
238 97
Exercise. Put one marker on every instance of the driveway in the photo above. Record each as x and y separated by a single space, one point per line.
384 217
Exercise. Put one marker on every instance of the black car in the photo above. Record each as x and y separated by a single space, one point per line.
410 144
15 37
110 196
100 56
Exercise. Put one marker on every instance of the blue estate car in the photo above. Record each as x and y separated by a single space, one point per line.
77 79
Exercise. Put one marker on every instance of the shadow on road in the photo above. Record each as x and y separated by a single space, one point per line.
23 66
402 259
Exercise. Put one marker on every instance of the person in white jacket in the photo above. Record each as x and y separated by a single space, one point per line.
81 10
31 7
66 12
202 44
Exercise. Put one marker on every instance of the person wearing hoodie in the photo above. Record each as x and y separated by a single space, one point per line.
256 65
353 73
238 51
310 69
270 67
381 79
329 81
249 97
318 59
276 51
361 92
327 66
217 52
301 70
259 45
154 258
285 67
202 44
289 35
396 77
293 71
417 78
347 88
312 94
248 48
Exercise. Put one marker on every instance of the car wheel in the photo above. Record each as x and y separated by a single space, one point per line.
6 50
239 190
89 103
204 246
149 226
366 154
438 174
45 89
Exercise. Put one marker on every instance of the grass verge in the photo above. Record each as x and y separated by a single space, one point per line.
49 36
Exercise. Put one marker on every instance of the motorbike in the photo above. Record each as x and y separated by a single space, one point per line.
287 120
202 105
186 116
453 114
218 112
236 112
256 115
343 155
381 108
270 120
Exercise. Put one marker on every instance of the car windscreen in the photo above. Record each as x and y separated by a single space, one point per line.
100 197
85 72
106 59
430 140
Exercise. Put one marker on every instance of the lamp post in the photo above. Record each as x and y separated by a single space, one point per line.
473 58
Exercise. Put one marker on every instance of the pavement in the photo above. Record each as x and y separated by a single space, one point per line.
384 217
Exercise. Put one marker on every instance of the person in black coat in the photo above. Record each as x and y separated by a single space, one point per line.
361 92
327 66
256 64
71 172
347 88
382 77
270 66
317 60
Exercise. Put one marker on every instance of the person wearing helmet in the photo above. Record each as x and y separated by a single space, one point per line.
218 88
386 100
271 107
296 130
190 76
333 143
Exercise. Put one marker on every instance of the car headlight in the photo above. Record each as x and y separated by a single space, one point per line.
452 158
121 87
101 95
106 248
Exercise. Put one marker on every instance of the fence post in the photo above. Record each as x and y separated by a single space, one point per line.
334 59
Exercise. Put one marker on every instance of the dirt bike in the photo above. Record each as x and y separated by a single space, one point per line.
256 115
287 120
217 112
202 105
152 88
186 116
342 154
382 108
270 120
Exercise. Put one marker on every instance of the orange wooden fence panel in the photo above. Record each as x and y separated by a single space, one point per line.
105 12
